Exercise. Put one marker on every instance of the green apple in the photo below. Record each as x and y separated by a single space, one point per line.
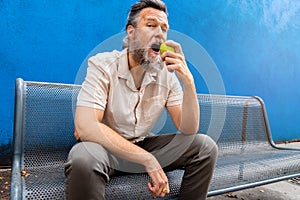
164 48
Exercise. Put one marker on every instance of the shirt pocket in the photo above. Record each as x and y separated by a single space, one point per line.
152 108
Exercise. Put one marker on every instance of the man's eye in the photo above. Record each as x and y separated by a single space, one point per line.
150 25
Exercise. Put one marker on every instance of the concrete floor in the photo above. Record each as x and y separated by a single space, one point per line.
283 190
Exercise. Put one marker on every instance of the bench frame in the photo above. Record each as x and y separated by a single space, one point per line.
17 183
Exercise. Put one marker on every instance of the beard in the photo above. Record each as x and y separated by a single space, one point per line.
141 56
154 64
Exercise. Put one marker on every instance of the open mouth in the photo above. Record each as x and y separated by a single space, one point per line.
155 47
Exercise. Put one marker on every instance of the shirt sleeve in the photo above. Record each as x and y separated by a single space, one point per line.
175 94
94 91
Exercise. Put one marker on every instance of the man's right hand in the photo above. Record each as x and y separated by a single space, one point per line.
159 186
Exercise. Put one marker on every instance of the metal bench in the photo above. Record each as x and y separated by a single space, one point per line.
43 136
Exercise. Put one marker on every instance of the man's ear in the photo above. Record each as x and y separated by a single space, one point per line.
130 30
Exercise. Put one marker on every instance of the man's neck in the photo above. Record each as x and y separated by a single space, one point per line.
131 62
136 71
138 74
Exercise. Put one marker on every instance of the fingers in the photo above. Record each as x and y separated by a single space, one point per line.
168 55
175 45
174 60
176 64
159 186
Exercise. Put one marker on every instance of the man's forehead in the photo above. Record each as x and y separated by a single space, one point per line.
154 14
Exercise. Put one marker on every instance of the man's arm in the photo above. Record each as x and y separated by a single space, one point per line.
88 127
186 116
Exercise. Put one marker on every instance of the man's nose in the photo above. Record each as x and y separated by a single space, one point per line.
159 32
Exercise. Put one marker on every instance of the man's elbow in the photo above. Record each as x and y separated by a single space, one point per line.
84 128
189 130
79 130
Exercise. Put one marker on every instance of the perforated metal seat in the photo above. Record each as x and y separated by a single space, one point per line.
43 136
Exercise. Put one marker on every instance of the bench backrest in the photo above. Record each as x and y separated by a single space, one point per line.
47 109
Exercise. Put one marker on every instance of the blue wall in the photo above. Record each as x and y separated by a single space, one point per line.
255 45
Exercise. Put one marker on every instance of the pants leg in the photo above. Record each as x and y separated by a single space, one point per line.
89 165
87 171
197 154
199 166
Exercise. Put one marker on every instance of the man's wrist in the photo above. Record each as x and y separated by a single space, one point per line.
188 80
189 84
151 163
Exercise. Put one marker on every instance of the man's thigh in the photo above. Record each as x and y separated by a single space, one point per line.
169 149
94 157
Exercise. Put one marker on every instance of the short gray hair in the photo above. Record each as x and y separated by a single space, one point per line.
135 10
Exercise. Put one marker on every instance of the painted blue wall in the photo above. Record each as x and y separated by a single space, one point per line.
255 44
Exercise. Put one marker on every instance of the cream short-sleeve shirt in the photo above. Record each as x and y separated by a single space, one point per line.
109 86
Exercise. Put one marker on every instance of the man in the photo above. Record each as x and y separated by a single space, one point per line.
122 97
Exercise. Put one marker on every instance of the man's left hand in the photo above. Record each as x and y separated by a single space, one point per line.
175 61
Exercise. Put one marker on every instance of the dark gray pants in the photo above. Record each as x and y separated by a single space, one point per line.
89 165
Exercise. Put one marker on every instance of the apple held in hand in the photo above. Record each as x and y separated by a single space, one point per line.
164 48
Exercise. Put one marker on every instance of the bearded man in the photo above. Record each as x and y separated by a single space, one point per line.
122 97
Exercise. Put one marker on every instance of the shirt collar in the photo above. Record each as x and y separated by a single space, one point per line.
123 67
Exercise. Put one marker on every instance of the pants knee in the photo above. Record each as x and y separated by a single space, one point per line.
83 160
205 145
82 163
85 175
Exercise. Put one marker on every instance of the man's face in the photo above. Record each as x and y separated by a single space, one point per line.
149 33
